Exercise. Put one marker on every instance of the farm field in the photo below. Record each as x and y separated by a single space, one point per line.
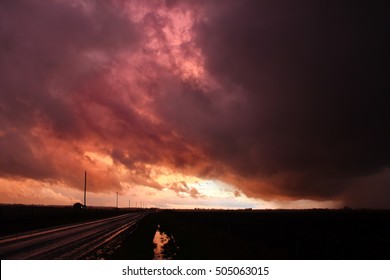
227 234
19 218
273 234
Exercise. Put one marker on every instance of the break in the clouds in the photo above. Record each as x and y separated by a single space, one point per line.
285 101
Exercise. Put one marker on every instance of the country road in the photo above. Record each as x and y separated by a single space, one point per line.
74 241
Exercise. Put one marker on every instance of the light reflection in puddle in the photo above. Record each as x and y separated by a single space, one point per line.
160 239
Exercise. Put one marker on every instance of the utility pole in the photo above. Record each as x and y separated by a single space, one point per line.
85 189
116 199
129 203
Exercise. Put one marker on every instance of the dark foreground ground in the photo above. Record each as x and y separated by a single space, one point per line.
310 234
21 218
268 234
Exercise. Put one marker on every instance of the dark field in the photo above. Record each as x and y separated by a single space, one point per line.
308 234
267 234
19 218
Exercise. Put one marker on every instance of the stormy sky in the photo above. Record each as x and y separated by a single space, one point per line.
214 103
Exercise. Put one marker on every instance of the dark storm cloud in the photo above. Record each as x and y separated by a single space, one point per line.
44 47
313 83
47 50
18 158
294 104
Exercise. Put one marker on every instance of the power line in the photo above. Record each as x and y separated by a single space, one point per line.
85 189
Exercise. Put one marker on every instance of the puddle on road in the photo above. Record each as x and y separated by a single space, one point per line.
165 246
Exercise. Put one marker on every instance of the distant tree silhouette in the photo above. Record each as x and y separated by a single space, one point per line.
77 206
